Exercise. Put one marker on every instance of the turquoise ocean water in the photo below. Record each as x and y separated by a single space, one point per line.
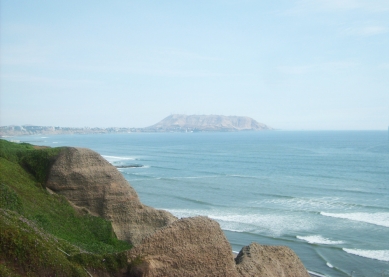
325 194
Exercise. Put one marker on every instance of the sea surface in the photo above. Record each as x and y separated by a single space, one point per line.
325 194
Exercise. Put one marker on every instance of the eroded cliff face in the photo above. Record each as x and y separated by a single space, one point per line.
188 247
89 182
164 245
269 261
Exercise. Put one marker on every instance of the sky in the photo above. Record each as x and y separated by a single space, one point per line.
293 64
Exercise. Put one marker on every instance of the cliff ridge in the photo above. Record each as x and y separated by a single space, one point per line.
162 244
91 183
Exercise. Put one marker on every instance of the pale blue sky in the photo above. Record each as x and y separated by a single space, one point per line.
296 64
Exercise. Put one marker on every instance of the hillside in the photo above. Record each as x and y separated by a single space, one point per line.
41 233
68 212
186 123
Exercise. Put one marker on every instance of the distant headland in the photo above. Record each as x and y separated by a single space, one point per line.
172 123
203 123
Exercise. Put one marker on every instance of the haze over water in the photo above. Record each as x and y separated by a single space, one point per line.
324 194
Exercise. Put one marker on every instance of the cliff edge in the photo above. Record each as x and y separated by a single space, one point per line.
92 184
164 245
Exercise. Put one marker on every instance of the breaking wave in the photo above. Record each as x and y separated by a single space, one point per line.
116 158
380 219
271 224
317 239
381 255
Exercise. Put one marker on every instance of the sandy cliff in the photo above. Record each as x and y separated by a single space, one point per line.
188 247
164 245
91 183
269 261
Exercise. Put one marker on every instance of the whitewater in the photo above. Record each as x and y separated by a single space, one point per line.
325 194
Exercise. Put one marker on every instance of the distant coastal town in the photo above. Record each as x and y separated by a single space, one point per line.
172 123
51 130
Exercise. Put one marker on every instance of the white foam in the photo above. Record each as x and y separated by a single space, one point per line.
312 273
310 204
116 158
381 255
242 176
271 224
191 177
380 219
317 239
330 265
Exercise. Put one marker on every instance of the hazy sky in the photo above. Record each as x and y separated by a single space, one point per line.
293 64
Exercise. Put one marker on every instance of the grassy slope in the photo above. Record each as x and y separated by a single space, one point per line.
30 215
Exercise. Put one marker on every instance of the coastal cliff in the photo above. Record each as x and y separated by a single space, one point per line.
91 183
188 247
162 244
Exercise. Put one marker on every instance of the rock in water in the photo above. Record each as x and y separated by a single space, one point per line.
188 247
269 261
90 182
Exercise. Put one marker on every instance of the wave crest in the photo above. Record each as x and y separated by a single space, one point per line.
380 219
112 159
381 255
317 239
271 224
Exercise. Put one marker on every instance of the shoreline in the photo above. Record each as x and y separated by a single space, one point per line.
315 274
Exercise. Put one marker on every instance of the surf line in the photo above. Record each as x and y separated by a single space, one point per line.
314 274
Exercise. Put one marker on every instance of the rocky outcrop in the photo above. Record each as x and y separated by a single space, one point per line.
91 183
269 261
180 122
198 247
188 247
164 245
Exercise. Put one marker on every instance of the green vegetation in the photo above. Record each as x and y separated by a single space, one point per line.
35 160
9 199
29 250
40 232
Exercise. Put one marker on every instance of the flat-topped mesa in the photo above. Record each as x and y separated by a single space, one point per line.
179 122
90 182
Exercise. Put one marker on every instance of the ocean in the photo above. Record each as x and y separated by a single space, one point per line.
325 194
